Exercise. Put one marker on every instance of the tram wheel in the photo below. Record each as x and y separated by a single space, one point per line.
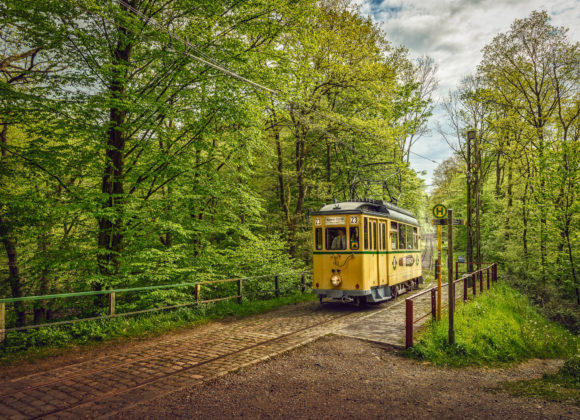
360 301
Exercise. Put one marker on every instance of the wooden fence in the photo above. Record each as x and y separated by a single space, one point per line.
475 277
112 298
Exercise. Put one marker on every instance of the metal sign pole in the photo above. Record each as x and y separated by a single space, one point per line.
450 284
439 248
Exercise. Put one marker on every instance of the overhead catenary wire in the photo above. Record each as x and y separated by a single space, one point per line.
206 60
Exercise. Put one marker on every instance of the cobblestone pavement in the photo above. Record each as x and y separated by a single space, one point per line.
387 325
102 386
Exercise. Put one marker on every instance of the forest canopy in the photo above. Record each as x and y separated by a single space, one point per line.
521 168
148 142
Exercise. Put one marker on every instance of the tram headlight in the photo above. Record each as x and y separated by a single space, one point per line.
335 280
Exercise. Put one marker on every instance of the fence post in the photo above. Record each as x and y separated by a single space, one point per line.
465 289
409 323
487 272
112 304
2 322
474 284
277 286
481 280
433 303
302 282
197 293
240 291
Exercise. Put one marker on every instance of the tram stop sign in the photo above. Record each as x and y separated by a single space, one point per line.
439 211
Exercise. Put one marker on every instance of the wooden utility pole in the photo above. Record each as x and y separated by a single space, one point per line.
450 284
470 136
477 193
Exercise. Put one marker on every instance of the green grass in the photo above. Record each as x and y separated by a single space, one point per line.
498 327
563 386
42 342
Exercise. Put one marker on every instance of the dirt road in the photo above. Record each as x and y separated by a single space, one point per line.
341 377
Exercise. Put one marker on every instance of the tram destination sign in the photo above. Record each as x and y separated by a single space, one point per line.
329 221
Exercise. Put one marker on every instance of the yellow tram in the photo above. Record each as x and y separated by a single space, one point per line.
365 251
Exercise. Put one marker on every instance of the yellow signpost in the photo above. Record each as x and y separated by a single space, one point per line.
439 211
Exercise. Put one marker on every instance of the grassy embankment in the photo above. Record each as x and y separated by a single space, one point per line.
46 341
502 327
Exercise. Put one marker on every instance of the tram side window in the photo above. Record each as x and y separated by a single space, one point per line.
318 235
366 233
415 239
336 238
394 238
409 237
374 235
384 236
354 238
402 236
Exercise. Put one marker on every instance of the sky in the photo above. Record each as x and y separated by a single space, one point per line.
453 32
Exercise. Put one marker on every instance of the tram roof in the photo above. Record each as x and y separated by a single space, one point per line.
371 207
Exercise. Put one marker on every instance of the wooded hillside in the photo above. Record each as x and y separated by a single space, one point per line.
147 142
522 169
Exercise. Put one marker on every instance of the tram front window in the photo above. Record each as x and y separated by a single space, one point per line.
336 238
319 238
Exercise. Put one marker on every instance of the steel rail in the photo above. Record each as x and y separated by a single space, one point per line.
180 371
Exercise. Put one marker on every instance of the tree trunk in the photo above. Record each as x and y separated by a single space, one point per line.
4 139
509 204
40 306
498 170
525 221
110 239
328 170
9 242
281 180
14 279
300 182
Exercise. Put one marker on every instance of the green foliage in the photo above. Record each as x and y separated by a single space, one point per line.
44 340
527 162
126 162
499 326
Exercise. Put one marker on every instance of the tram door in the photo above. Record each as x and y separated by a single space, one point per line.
371 247
381 253
376 247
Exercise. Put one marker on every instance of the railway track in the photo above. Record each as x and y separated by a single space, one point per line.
100 386
103 386
428 251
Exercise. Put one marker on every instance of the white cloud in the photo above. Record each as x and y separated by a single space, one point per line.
453 32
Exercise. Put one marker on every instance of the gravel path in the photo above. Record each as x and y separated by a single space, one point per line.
342 377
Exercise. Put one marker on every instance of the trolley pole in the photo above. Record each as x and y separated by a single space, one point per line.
439 248
450 285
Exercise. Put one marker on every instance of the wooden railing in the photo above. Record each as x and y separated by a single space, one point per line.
113 293
475 277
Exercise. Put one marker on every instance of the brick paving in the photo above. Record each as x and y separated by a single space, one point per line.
103 386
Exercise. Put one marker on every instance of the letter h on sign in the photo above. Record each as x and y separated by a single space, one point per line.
439 211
